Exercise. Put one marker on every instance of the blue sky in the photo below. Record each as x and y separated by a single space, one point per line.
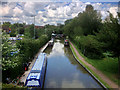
51 12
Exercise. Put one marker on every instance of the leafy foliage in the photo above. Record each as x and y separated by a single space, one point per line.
29 31
110 36
89 46
15 53
82 29
9 61
7 58
92 35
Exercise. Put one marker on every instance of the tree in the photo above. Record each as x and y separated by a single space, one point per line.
89 8
86 23
89 20
67 21
14 31
21 30
89 46
29 31
110 36
6 25
9 60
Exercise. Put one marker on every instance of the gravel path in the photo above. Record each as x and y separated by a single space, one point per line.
99 73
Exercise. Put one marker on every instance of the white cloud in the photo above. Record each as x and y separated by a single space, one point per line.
51 13
17 11
97 6
113 10
29 9
104 14
15 19
87 3
48 12
5 10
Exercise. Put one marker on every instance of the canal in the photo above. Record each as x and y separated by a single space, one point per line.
63 71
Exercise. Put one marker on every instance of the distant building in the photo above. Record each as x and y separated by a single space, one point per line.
7 30
38 27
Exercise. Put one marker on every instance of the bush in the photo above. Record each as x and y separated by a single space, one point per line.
89 46
29 47
13 66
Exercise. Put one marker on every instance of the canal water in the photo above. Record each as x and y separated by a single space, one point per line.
63 71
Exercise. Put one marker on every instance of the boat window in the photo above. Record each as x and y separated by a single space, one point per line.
33 83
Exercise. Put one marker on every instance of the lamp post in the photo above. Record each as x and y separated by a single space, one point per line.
34 25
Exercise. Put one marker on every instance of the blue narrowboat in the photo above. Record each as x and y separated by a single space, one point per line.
37 73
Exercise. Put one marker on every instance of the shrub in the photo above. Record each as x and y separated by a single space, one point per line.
13 65
89 46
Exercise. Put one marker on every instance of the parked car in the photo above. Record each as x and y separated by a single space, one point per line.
12 38
19 38
66 42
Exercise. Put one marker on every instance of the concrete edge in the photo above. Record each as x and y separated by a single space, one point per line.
44 47
88 70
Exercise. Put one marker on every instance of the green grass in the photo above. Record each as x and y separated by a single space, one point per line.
108 65
11 86
0 85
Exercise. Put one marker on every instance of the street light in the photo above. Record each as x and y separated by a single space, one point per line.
34 25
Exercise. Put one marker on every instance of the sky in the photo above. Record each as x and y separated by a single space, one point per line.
51 12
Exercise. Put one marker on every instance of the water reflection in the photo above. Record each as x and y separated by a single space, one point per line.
63 71
49 50
68 53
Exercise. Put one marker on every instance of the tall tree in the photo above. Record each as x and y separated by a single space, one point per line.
90 20
85 23
110 35
29 31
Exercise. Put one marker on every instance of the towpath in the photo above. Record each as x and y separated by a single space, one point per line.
98 72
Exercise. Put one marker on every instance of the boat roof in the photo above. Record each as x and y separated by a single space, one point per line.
33 83
37 67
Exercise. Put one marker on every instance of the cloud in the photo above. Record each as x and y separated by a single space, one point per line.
15 19
29 9
104 14
50 12
17 11
5 10
113 10
87 3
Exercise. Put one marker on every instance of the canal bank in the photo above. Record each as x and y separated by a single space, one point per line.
98 75
63 71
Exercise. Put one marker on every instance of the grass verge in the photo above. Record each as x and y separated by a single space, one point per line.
10 86
99 64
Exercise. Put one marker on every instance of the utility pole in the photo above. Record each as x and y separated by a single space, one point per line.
18 29
34 27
